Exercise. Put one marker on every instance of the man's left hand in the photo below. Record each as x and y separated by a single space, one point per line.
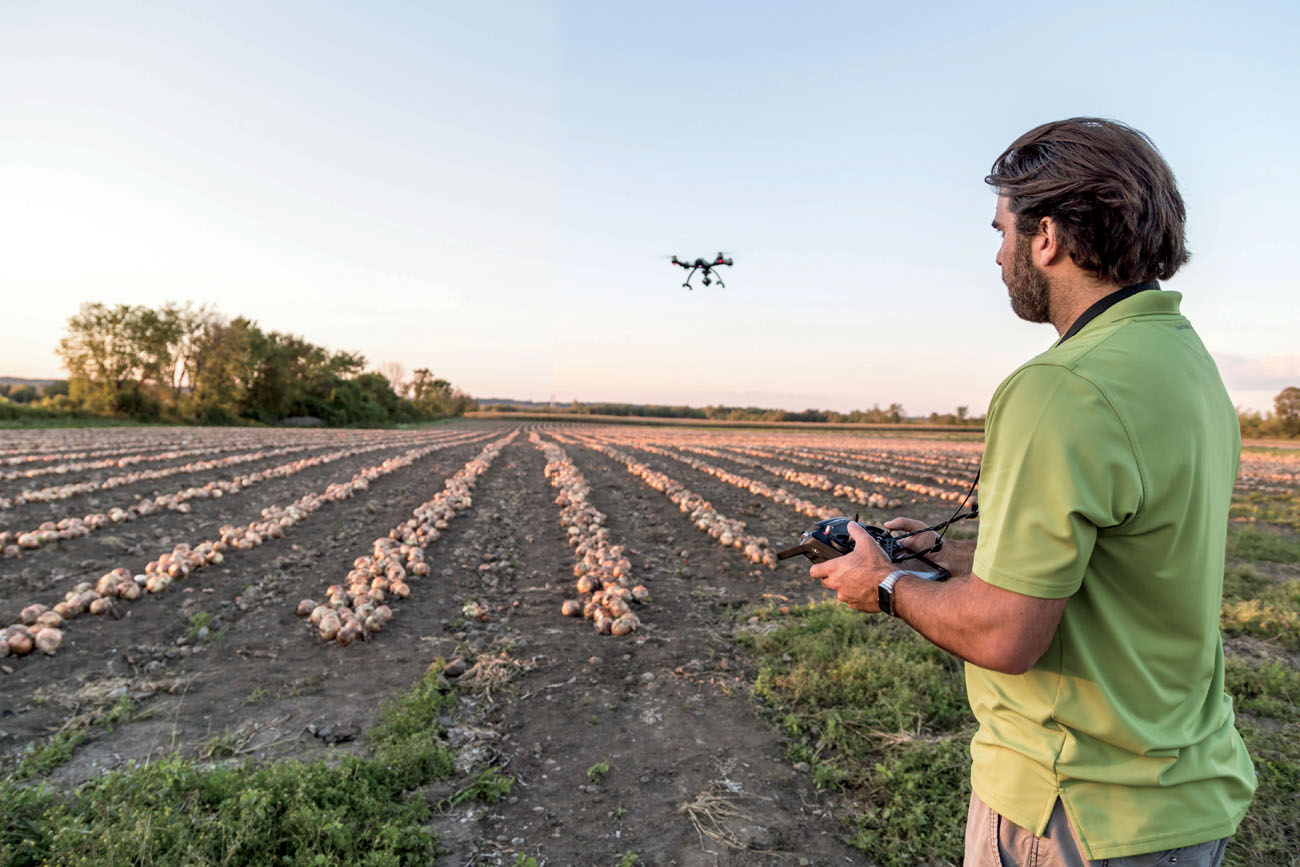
855 576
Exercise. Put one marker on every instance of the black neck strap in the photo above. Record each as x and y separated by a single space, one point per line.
1102 305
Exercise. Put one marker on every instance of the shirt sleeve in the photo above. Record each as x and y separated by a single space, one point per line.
1058 467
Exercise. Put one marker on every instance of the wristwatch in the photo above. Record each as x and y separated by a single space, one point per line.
885 591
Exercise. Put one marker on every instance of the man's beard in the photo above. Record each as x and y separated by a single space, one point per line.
1030 289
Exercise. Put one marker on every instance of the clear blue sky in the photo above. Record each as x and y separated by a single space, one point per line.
491 190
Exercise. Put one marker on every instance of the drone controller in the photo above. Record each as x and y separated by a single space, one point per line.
830 538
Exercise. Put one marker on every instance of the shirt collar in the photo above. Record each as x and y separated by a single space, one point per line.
1111 307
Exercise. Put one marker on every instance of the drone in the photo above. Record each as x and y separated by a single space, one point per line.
705 266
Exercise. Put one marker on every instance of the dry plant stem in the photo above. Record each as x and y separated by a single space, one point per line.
708 813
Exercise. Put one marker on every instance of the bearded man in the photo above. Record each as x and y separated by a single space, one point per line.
1088 608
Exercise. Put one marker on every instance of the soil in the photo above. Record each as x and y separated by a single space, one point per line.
647 744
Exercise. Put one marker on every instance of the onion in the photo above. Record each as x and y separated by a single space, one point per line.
571 608
329 626
30 613
20 642
48 640
49 618
305 608
102 606
349 633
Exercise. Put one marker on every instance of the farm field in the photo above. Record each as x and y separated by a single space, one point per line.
225 631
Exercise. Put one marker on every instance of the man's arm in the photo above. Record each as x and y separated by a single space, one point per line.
970 618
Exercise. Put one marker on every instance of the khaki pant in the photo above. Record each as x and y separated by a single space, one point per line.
992 841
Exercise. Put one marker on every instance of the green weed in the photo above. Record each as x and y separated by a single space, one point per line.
489 786
1256 544
199 620
360 810
1281 509
598 770
880 715
1267 698
1273 613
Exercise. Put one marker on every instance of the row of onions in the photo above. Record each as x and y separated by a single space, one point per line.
918 466
14 543
51 493
780 496
357 608
129 459
256 450
120 585
839 490
729 532
888 480
75 444
604 585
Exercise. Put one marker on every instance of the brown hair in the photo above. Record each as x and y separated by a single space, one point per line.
1111 194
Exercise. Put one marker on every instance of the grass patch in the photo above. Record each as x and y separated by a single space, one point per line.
360 810
1260 545
880 715
1272 613
1282 509
1267 699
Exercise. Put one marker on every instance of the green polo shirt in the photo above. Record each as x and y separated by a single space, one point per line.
1107 474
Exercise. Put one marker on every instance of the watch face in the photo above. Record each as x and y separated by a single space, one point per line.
885 598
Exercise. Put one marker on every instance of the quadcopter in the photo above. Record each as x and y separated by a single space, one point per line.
705 266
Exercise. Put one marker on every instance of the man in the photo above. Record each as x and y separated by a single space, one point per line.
1089 615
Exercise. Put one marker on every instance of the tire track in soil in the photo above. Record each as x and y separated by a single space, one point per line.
667 707
263 645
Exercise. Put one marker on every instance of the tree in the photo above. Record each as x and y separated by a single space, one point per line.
1287 407
219 371
395 373
101 354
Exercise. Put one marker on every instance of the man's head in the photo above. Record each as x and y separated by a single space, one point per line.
1111 199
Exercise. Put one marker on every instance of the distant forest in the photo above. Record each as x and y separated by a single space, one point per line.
191 364
1284 421
893 414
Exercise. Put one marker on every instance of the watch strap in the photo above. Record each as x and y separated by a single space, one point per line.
885 591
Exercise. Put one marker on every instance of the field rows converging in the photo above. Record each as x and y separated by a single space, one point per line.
119 585
358 610
216 595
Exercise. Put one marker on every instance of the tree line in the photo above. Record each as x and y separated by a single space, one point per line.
893 414
191 364
1284 421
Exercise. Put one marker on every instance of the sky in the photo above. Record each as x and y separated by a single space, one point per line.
492 190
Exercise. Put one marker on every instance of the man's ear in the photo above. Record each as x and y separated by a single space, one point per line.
1047 244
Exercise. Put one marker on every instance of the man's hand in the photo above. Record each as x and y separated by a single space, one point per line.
919 542
855 576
